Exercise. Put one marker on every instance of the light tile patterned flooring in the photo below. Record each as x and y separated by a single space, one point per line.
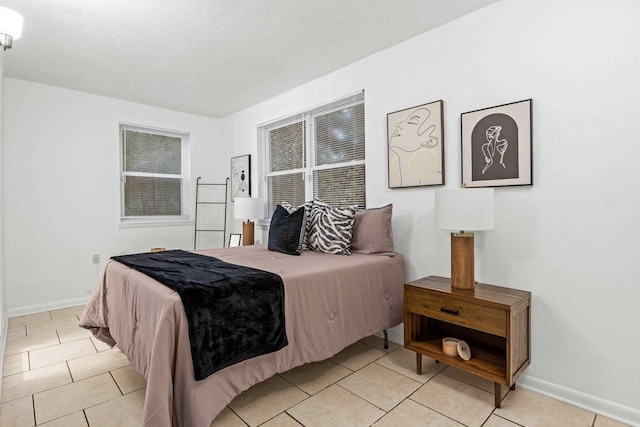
57 374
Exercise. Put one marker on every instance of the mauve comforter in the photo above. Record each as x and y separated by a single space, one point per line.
331 302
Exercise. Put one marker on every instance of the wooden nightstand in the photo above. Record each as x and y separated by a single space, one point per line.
493 320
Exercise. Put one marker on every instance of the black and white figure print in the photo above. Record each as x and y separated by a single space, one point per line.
496 146
241 176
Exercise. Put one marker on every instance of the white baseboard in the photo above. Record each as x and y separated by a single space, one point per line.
615 411
13 312
396 334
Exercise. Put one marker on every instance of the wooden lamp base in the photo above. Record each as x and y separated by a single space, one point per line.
247 233
462 267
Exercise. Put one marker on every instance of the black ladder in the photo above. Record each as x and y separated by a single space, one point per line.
217 200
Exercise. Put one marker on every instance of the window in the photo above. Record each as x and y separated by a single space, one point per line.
319 154
153 174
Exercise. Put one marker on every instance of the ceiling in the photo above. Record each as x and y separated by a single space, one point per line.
208 57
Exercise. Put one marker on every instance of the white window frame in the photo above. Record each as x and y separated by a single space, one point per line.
310 140
132 221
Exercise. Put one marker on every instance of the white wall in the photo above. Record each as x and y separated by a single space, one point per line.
62 192
3 321
571 238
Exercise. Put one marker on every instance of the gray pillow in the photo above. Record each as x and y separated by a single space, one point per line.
372 232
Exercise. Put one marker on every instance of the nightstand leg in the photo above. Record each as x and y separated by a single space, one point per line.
418 363
497 392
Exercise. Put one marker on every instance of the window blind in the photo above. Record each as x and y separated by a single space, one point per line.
152 153
152 173
320 153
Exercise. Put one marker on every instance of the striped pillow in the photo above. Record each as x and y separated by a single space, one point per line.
330 228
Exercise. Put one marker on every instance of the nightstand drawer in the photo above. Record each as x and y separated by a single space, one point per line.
479 317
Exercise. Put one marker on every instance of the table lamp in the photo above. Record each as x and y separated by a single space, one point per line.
465 210
248 208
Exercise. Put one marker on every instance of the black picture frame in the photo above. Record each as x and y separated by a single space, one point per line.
497 145
234 240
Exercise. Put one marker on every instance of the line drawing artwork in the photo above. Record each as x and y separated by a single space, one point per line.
415 155
495 148
241 176
493 144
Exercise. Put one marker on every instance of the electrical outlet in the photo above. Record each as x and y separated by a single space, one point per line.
96 258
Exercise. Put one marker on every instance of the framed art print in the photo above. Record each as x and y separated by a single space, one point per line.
415 139
496 146
241 176
234 240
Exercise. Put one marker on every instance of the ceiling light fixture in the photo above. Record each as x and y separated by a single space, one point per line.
10 27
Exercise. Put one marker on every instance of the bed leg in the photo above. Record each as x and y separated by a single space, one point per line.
386 339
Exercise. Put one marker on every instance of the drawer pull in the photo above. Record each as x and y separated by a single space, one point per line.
449 311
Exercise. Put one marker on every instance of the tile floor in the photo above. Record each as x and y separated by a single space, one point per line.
57 374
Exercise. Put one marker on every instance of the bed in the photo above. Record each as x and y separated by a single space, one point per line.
330 303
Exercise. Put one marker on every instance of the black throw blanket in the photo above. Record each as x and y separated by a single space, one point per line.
234 312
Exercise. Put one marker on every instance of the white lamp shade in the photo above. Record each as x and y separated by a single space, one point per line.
464 209
10 23
248 208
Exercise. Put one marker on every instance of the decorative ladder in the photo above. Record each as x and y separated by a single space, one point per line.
214 201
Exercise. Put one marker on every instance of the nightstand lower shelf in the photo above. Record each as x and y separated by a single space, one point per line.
484 363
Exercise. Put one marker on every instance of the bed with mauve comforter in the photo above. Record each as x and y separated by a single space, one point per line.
330 302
